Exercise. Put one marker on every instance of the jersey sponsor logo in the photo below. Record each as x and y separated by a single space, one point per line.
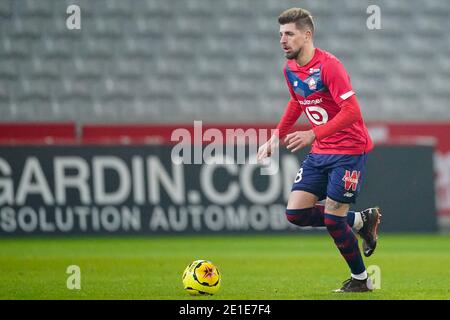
317 115
351 179
306 102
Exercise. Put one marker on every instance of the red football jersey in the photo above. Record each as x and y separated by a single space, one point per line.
318 89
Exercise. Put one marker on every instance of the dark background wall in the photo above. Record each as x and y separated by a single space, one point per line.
138 190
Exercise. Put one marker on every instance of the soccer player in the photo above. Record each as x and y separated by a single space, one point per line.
320 87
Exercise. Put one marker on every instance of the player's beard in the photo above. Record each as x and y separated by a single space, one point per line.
293 55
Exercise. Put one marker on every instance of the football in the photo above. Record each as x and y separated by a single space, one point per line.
201 277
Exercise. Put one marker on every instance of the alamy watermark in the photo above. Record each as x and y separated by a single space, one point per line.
231 146
374 273
74 279
373 22
73 21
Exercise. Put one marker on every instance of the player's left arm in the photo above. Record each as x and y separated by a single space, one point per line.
350 113
337 80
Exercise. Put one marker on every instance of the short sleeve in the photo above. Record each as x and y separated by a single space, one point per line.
337 80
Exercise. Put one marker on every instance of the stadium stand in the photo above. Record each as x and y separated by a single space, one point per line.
175 61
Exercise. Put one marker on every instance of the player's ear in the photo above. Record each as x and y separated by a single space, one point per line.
308 34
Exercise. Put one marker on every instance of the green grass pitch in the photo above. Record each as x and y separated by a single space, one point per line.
299 266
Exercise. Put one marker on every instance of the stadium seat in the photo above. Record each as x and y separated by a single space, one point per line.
171 54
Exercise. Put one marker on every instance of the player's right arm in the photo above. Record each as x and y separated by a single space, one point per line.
291 114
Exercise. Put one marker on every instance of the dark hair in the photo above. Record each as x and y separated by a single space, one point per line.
301 17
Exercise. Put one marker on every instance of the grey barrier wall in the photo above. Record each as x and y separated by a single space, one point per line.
50 190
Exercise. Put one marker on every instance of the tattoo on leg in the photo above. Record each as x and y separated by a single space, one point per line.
332 205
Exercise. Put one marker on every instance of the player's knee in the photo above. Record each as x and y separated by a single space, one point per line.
299 217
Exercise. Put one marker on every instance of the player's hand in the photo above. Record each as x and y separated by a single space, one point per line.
299 139
266 150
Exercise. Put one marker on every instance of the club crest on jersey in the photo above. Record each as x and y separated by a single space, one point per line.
307 87
312 84
351 179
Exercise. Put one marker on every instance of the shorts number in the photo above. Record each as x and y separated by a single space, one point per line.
298 178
